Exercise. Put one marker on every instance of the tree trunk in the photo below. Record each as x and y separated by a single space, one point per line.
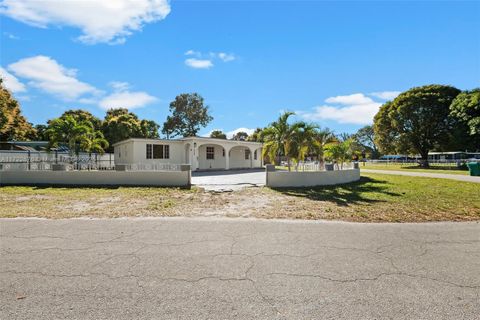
424 159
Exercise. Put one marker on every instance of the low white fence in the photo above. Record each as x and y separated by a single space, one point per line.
285 179
41 160
97 178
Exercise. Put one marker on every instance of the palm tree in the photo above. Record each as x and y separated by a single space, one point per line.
340 151
304 142
67 130
93 141
323 137
278 138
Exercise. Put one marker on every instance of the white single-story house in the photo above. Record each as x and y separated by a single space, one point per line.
201 153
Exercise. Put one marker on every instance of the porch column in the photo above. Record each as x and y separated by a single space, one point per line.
195 156
261 157
251 157
227 158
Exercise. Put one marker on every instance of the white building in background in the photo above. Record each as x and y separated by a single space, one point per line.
201 153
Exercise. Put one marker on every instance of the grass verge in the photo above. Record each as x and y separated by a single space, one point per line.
375 198
384 198
413 168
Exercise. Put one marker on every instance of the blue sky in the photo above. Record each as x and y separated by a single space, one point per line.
333 63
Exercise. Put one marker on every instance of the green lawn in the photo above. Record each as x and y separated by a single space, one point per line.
414 168
383 198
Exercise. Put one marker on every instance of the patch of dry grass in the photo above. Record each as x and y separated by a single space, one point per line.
375 198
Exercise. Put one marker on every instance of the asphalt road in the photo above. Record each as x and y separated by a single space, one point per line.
181 268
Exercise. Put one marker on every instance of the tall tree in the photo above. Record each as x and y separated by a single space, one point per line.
120 124
304 141
149 129
279 138
13 125
83 116
416 121
169 126
218 134
466 108
40 132
366 138
240 136
189 114
323 137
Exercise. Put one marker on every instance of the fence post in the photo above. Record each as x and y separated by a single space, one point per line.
29 166
56 156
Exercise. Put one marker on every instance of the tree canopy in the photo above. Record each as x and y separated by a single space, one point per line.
240 136
83 116
67 130
13 125
218 134
256 136
189 114
416 121
365 137
466 108
120 124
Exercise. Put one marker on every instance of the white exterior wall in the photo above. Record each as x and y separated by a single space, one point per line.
135 152
219 161
177 152
191 151
124 153
280 179
97 178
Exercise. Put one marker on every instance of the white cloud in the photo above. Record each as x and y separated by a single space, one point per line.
355 108
119 85
199 63
356 98
123 98
108 21
386 95
205 61
192 53
48 75
11 82
230 134
226 57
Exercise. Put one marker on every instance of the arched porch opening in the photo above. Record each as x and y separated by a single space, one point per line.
212 157
241 157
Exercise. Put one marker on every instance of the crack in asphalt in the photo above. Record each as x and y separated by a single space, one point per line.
230 243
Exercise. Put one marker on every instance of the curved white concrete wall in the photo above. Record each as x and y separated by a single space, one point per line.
279 179
97 178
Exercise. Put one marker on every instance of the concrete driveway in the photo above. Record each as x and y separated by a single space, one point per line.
181 268
229 180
